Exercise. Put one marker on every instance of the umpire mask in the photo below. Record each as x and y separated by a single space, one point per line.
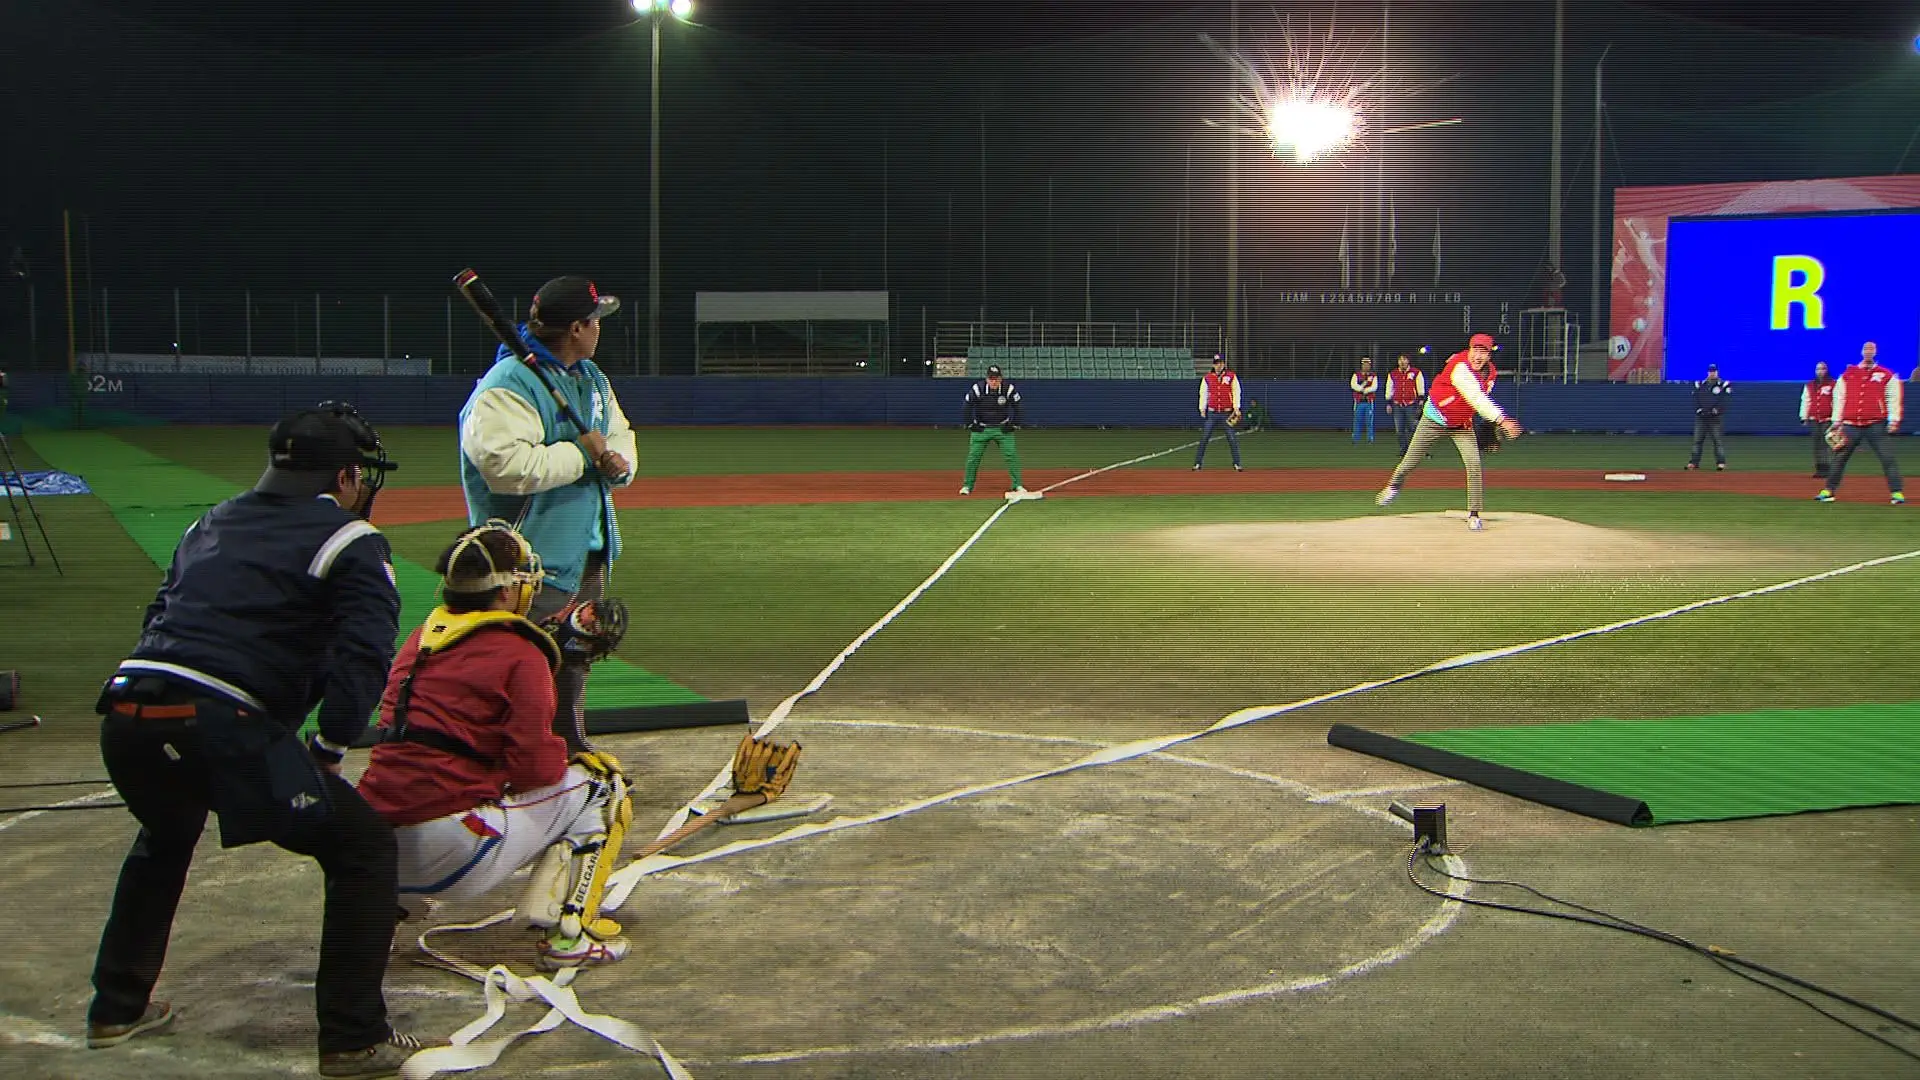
307 450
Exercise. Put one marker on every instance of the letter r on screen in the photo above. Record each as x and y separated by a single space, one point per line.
1797 280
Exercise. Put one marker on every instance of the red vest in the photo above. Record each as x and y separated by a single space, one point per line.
1820 401
1363 377
1866 400
1442 396
1219 391
1404 385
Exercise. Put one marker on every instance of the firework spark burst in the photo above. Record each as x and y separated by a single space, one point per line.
1318 100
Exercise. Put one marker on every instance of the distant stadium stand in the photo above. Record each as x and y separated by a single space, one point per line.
1039 350
791 333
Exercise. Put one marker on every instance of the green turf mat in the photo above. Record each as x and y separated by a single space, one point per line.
1714 768
155 500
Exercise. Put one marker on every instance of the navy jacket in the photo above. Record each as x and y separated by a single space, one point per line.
289 602
1710 398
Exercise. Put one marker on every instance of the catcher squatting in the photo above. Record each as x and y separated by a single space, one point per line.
469 781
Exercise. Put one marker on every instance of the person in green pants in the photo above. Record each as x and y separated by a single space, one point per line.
992 414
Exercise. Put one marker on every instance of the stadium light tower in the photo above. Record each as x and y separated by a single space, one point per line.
654 11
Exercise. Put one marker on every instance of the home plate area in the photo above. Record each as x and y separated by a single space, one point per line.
1103 898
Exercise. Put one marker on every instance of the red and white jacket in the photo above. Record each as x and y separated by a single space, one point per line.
1816 401
1867 395
1459 394
1406 387
1219 392
1364 384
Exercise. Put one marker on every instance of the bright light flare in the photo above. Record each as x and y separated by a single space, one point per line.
1309 129
1317 101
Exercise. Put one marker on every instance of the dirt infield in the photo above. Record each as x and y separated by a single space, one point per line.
1521 544
413 506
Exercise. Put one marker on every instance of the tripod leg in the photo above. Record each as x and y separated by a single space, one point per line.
26 496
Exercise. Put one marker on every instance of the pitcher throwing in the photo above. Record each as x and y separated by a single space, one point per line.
1460 394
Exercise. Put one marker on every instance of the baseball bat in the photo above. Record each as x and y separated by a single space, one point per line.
487 306
18 725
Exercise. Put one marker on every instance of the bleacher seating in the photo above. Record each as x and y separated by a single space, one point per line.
1082 361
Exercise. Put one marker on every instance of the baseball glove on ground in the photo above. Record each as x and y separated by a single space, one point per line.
764 767
1837 436
590 631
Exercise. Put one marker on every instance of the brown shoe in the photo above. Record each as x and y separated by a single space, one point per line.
100 1036
380 1059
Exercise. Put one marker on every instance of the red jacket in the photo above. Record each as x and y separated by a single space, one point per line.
492 690
1223 395
1864 393
1403 387
1443 396
1816 400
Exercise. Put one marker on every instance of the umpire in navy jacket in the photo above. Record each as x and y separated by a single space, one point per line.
277 600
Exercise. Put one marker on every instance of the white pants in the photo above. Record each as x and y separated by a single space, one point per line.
471 853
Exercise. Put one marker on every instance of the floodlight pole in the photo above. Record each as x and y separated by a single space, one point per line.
1596 332
1553 171
1233 192
653 207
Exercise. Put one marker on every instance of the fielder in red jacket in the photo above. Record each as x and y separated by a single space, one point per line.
470 772
1867 401
1460 393
1816 411
1219 404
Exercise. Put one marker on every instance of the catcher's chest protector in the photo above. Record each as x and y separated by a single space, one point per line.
444 629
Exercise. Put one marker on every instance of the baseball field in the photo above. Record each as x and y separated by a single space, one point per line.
1237 905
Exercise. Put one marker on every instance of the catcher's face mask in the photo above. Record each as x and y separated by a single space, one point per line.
523 575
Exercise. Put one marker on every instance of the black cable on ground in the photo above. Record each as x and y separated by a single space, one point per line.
86 806
1726 959
55 783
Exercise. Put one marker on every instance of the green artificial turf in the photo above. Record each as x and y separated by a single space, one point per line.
155 500
1714 768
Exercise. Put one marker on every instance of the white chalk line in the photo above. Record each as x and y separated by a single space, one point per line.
621 884
630 874
1442 919
618 888
1120 465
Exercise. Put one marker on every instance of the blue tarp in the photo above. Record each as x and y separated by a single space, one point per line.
43 482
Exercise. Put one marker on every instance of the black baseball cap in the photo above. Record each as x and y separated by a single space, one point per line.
993 372
307 449
568 300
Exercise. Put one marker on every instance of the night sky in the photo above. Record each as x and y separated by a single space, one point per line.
367 151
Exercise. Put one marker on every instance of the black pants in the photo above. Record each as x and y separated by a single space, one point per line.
1822 453
570 682
1875 437
352 844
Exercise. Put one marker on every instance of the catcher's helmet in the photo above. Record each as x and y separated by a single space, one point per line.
523 573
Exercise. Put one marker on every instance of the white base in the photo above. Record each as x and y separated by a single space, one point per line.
1626 477
1025 496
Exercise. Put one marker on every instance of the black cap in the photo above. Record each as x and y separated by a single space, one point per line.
1713 367
567 300
993 371
307 449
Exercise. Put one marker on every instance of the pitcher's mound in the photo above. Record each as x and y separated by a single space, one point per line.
1511 543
